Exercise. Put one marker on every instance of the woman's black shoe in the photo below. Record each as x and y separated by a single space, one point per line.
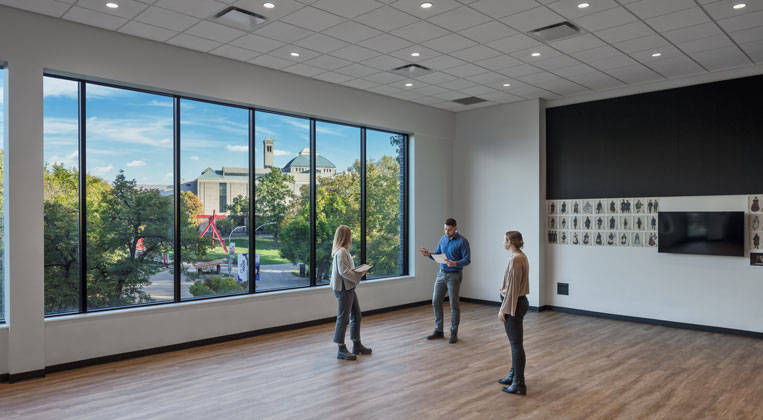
517 387
345 354
358 348
508 379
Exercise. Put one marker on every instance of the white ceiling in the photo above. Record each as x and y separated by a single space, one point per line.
473 47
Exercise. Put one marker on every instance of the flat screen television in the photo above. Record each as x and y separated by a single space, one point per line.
701 232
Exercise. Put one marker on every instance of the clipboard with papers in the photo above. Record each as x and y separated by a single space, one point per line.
440 258
362 269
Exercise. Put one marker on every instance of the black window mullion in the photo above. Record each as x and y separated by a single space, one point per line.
363 252
405 176
82 125
177 260
313 193
252 244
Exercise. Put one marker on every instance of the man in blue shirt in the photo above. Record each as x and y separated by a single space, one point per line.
457 254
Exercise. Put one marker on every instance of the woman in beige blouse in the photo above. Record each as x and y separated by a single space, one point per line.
344 279
516 285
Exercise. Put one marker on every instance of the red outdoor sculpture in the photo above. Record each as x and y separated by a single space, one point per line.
215 233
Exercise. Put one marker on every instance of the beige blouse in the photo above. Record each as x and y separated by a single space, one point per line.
516 283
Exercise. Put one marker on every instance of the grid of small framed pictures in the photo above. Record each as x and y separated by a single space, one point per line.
755 225
630 222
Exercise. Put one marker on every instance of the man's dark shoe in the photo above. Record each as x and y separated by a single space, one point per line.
358 348
345 354
453 338
435 335
508 379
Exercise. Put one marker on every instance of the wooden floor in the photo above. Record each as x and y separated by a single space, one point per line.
578 368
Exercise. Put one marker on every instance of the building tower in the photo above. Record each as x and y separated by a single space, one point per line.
268 147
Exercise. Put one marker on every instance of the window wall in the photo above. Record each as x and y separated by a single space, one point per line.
185 199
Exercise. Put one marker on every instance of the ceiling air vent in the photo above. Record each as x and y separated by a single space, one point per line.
471 100
411 70
240 18
555 32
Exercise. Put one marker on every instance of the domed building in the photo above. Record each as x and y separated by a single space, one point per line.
217 188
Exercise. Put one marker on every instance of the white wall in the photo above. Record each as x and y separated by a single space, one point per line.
31 43
696 289
496 188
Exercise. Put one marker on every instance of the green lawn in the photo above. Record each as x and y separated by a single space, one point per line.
268 254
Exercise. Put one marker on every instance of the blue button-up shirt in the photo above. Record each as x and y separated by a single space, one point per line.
456 249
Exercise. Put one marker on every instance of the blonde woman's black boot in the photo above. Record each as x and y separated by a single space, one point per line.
345 354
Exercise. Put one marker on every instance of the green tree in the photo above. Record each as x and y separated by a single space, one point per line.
274 197
383 216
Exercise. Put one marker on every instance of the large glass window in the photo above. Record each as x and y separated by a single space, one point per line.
385 196
61 195
337 201
130 218
282 201
214 168
2 191
110 235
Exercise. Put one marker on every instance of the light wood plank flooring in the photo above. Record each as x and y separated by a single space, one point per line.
578 368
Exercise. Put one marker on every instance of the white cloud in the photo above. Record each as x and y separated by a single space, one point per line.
237 148
278 152
194 158
164 141
68 161
102 170
55 87
135 163
167 104
168 175
138 131
60 126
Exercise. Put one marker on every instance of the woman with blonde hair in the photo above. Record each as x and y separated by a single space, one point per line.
344 279
516 284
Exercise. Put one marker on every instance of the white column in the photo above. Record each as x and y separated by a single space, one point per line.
23 240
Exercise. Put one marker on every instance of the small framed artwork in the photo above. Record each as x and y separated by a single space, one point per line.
625 206
564 207
575 222
552 222
564 237
599 239
612 207
639 222
753 203
613 222
575 207
587 240
653 205
611 238
637 239
564 222
587 222
587 206
626 223
639 205
600 222
755 222
624 239
551 206
755 241
552 236
651 223
756 258
575 238
600 207
651 239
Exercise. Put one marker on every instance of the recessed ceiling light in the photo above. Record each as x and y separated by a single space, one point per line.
415 54
535 54
114 5
426 5
656 54
740 6
268 5
506 84
295 54
408 84
583 5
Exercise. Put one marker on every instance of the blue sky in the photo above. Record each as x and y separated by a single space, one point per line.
132 131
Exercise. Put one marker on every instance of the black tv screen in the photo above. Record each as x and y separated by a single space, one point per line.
701 232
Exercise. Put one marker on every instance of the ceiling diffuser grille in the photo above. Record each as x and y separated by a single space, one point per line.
555 32
470 100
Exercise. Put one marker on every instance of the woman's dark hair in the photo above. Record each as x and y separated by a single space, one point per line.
515 238
450 222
